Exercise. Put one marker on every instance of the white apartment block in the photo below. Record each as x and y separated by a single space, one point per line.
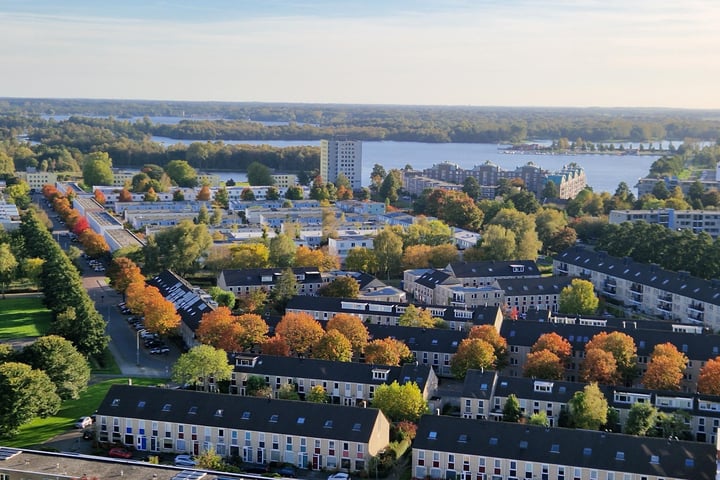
341 156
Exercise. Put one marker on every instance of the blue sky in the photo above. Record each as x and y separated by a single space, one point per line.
646 53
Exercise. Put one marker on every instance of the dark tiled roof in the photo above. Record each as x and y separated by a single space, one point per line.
421 339
695 346
533 286
435 277
333 371
560 446
680 283
222 410
494 268
479 384
253 276
188 303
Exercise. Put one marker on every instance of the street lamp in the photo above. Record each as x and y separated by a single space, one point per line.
137 347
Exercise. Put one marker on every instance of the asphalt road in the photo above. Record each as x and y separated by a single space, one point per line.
129 352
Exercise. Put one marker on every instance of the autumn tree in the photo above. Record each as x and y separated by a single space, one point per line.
333 346
553 343
160 314
250 255
709 379
361 259
323 261
252 330
300 330
493 337
275 345
544 364
400 402
416 256
387 351
416 317
200 364
352 327
123 272
578 298
204 194
340 287
599 366
588 409
665 369
622 347
218 328
472 353
94 244
135 297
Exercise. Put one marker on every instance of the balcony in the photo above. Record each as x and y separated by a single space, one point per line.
609 289
562 268
636 287
696 308
636 297
664 307
696 317
665 298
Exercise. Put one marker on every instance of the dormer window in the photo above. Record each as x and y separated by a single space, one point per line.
380 374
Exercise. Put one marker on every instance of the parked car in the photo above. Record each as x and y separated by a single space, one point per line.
287 471
153 343
119 452
159 350
83 422
184 461
339 476
88 434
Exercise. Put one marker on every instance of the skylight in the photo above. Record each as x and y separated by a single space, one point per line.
245 415
619 455
356 427
193 410
274 418
328 424
587 451
493 441
141 404
301 420
167 407
555 448
462 438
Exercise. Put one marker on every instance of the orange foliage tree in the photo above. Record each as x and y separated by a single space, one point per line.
275 346
352 327
49 191
204 194
124 195
135 297
99 197
493 337
553 343
709 379
599 366
252 330
417 256
123 272
333 346
300 331
320 258
94 244
623 349
160 314
219 329
665 369
387 351
80 225
544 364
472 353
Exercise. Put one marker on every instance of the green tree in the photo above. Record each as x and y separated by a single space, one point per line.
97 169
288 392
342 287
361 259
550 190
182 173
641 419
62 363
294 193
416 317
216 217
588 409
511 410
25 393
392 182
388 251
400 402
472 188
222 198
203 216
673 425
224 298
178 248
259 174
285 288
498 243
540 419
282 251
256 386
8 267
579 298
201 363
317 394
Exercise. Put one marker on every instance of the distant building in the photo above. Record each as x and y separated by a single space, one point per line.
696 221
341 156
37 180
342 246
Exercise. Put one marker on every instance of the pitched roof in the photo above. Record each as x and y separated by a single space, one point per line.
571 447
420 339
188 302
494 268
334 371
267 276
436 277
533 286
679 283
240 412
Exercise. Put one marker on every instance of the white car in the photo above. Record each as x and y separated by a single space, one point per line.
185 461
339 476
83 422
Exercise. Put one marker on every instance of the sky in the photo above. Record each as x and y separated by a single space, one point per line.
579 53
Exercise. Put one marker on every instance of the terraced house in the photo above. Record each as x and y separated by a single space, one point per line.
257 430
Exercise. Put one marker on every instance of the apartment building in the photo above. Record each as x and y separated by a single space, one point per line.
244 281
696 221
341 156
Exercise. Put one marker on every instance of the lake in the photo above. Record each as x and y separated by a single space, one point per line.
604 172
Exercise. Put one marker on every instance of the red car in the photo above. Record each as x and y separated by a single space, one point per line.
119 452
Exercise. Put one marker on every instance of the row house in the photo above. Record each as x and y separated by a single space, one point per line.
256 430
341 246
190 302
459 448
244 281
363 207
483 273
469 297
346 383
192 206
645 287
521 335
388 313
523 294
425 288
485 393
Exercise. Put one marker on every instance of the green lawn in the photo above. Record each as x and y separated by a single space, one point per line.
41 430
22 317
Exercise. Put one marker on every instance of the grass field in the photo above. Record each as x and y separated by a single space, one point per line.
22 317
41 430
